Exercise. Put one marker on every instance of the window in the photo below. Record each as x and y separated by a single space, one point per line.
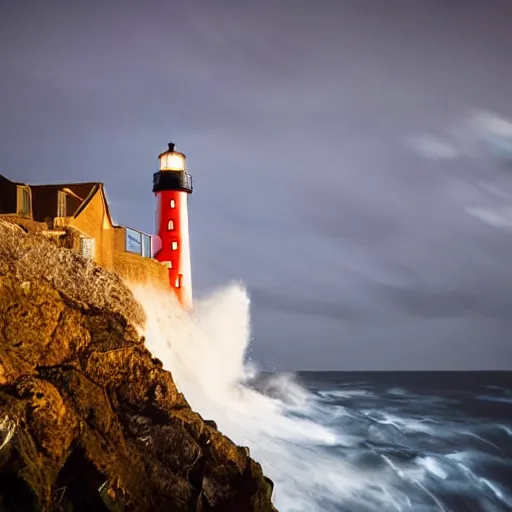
26 203
138 243
170 225
87 247
146 246
172 203
169 264
133 241
178 281
23 200
174 246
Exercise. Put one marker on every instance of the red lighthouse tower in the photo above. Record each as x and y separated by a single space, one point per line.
172 184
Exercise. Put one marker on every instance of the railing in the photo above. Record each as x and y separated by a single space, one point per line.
60 222
138 242
188 181
172 180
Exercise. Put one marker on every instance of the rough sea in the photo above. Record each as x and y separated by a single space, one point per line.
434 441
335 441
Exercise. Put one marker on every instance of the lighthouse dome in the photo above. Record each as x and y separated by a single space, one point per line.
172 160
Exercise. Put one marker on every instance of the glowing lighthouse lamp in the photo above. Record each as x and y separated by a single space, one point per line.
171 185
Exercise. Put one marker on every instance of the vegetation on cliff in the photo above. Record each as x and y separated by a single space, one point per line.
88 419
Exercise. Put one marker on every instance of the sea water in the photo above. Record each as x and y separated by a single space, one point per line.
335 441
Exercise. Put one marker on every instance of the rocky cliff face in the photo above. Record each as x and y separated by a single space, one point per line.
88 419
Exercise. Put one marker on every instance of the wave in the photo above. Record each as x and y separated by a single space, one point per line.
322 452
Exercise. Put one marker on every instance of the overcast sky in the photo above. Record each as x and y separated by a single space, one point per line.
352 159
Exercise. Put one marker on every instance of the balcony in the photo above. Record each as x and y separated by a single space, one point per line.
172 180
138 242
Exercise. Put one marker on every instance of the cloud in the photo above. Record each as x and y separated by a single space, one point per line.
294 131
480 145
496 217
433 147
439 302
480 134
292 303
492 124
495 133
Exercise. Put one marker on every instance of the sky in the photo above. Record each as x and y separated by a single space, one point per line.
352 159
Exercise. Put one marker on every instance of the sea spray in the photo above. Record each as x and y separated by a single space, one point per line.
205 351
340 448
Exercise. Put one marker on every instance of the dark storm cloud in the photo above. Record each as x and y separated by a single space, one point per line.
302 305
449 303
330 149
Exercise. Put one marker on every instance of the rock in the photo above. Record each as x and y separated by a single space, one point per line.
89 420
7 429
211 423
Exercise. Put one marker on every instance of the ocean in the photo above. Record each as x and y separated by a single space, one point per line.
338 441
433 440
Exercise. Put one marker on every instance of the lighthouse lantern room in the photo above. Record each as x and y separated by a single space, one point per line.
172 185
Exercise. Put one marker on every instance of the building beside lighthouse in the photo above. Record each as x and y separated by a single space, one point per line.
77 216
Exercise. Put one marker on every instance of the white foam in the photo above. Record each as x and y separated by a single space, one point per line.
205 352
353 393
287 432
433 467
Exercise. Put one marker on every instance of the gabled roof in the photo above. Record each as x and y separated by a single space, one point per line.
80 194
101 188
10 181
80 189
44 197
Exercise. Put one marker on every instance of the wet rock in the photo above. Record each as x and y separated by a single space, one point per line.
7 430
211 423
89 420
112 498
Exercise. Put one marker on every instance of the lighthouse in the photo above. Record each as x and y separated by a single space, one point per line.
172 185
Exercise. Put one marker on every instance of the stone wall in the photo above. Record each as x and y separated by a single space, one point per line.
136 269
110 252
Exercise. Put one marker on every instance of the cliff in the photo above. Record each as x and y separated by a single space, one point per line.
88 419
